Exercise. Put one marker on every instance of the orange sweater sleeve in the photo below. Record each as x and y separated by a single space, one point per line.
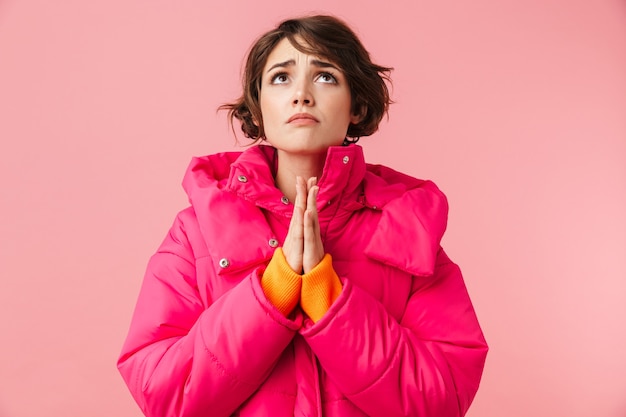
281 284
320 289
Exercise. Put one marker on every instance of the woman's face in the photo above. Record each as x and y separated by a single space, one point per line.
305 101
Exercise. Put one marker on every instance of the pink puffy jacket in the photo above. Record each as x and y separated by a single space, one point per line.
402 339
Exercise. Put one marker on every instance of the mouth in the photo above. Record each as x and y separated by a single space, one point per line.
302 118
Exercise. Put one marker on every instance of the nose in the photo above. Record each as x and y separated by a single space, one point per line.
303 94
304 101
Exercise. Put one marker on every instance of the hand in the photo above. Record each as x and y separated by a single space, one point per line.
303 248
313 246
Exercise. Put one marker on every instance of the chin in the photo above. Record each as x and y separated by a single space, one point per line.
307 145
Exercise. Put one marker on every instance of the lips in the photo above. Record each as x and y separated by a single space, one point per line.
302 117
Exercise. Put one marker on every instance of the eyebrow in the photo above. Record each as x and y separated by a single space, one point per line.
291 62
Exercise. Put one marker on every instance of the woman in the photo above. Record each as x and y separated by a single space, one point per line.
303 281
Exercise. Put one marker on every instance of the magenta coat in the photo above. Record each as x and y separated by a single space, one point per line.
402 339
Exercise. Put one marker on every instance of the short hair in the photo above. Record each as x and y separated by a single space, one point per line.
327 37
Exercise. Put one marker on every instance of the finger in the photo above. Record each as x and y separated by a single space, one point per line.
311 229
293 247
301 193
311 201
311 220
310 183
313 246
296 221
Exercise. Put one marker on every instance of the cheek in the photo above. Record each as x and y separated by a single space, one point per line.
265 113
268 106
342 103
342 110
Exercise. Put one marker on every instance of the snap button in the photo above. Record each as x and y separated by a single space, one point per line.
242 178
346 159
224 263
284 200
273 243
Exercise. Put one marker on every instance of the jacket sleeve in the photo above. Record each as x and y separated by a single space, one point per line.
428 364
184 357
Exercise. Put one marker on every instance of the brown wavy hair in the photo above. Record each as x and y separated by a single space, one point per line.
327 37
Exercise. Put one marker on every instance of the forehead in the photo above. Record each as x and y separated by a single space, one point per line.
285 51
282 51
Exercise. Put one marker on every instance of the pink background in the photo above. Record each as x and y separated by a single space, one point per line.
517 109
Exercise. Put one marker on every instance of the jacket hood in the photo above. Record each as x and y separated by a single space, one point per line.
413 212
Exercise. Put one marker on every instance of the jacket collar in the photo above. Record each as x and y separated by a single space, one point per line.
229 187
251 177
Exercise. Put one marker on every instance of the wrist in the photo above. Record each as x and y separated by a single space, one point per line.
281 285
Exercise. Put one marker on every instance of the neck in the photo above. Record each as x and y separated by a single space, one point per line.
291 166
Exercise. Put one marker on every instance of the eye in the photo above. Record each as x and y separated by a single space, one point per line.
279 78
327 77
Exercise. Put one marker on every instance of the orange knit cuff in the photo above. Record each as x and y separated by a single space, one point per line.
320 289
280 284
